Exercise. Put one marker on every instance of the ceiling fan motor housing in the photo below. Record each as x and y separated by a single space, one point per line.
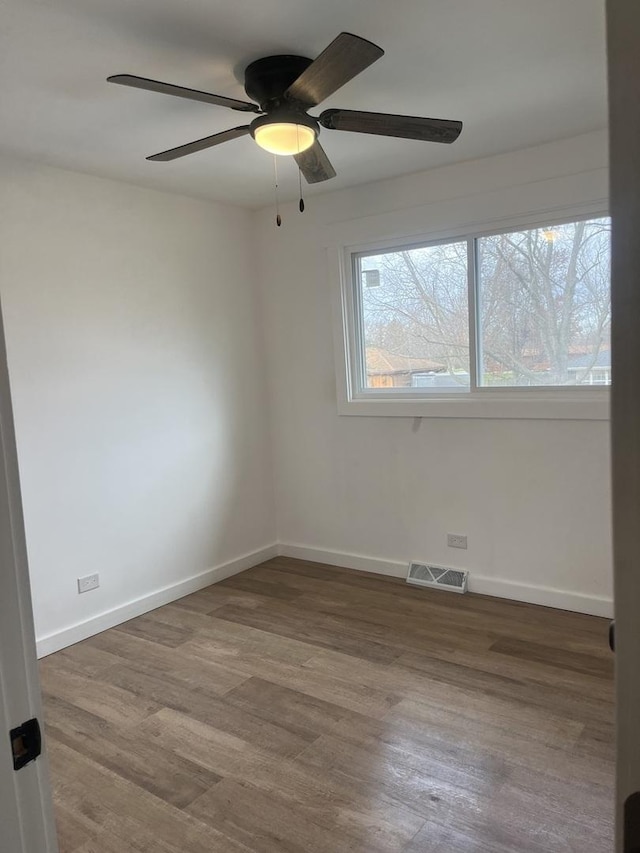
267 79
285 115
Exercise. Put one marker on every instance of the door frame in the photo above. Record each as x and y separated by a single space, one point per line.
623 35
26 812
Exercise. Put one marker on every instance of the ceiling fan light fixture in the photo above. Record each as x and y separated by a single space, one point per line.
282 89
284 137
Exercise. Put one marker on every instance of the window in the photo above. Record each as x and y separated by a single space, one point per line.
415 320
484 316
545 305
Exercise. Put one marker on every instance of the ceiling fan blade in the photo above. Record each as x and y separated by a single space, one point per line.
181 92
314 164
341 61
200 144
384 124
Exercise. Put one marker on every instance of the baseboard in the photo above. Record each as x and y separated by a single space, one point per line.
547 596
348 561
531 594
109 619
562 599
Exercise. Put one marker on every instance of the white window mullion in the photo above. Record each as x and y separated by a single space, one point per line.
475 360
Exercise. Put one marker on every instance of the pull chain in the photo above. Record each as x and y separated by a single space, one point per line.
275 170
301 202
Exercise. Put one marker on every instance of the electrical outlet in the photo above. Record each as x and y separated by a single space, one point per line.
456 540
88 583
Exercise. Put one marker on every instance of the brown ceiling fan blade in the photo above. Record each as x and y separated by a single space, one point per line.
384 124
200 144
314 164
341 61
181 92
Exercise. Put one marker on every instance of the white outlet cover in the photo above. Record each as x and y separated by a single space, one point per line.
88 583
456 540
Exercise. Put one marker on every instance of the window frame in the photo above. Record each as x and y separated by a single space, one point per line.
575 402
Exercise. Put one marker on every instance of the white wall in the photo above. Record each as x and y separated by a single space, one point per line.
532 496
137 369
137 358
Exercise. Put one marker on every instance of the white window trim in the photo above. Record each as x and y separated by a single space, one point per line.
566 403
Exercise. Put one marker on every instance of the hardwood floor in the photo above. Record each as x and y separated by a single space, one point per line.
299 708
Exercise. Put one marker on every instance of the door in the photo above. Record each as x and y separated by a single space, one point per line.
26 814
623 24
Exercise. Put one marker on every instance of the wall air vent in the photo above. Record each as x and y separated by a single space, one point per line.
437 577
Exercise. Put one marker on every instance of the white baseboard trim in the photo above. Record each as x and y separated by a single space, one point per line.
562 599
531 594
109 619
348 561
547 596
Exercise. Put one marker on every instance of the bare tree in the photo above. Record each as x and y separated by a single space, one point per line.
420 307
544 300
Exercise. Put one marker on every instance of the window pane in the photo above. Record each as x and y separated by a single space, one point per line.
545 306
415 318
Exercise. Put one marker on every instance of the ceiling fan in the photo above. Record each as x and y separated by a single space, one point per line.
286 87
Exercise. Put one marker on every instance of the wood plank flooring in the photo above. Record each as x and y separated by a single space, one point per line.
300 708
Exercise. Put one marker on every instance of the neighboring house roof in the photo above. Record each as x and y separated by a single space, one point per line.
585 360
381 362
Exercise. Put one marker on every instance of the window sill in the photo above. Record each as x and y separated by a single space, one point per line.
535 405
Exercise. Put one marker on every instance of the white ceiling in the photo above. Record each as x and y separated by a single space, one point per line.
517 72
